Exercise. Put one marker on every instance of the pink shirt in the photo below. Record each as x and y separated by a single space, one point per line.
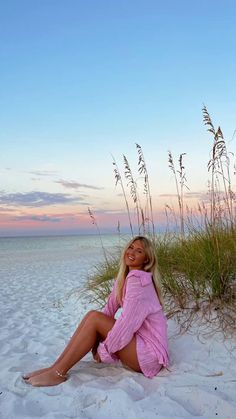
142 316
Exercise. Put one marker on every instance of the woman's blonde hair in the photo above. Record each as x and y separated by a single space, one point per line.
150 266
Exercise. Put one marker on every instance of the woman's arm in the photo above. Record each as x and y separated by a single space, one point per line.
110 309
133 314
112 304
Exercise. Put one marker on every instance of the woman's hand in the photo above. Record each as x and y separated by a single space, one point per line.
96 357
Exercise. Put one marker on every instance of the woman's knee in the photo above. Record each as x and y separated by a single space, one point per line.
98 319
92 315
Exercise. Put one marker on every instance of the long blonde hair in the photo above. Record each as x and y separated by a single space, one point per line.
150 266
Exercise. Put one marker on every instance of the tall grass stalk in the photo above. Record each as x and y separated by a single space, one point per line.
132 184
180 190
94 222
219 165
142 169
119 180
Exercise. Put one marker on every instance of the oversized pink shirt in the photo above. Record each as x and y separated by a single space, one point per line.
142 316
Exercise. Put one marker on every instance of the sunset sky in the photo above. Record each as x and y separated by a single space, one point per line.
82 81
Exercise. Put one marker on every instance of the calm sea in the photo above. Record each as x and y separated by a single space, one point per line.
64 260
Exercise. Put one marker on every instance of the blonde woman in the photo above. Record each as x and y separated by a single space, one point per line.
138 338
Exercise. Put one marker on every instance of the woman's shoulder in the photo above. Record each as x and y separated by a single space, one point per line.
145 278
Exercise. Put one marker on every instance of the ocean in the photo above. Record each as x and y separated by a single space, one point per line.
37 263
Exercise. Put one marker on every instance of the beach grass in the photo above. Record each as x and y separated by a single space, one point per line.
197 258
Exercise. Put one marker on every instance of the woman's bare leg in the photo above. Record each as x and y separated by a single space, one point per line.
128 356
37 372
96 325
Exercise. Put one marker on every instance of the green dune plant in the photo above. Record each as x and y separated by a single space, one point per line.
197 259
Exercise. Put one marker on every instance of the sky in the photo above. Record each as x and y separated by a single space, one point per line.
81 82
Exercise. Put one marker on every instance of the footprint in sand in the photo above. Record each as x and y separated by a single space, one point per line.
198 402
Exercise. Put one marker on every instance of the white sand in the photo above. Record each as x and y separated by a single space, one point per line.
201 382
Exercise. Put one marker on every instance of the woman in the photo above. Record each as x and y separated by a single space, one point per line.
138 338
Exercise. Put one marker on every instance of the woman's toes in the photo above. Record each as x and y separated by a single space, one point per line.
34 373
49 378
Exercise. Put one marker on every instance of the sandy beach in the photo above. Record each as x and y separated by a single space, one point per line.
118 158
200 382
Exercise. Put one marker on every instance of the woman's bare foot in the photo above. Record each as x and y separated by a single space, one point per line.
47 378
34 373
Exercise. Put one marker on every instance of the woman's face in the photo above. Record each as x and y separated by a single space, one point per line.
135 256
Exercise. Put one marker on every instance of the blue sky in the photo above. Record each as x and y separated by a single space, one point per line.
83 80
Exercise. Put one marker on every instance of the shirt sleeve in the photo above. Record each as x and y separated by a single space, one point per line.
133 314
112 304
